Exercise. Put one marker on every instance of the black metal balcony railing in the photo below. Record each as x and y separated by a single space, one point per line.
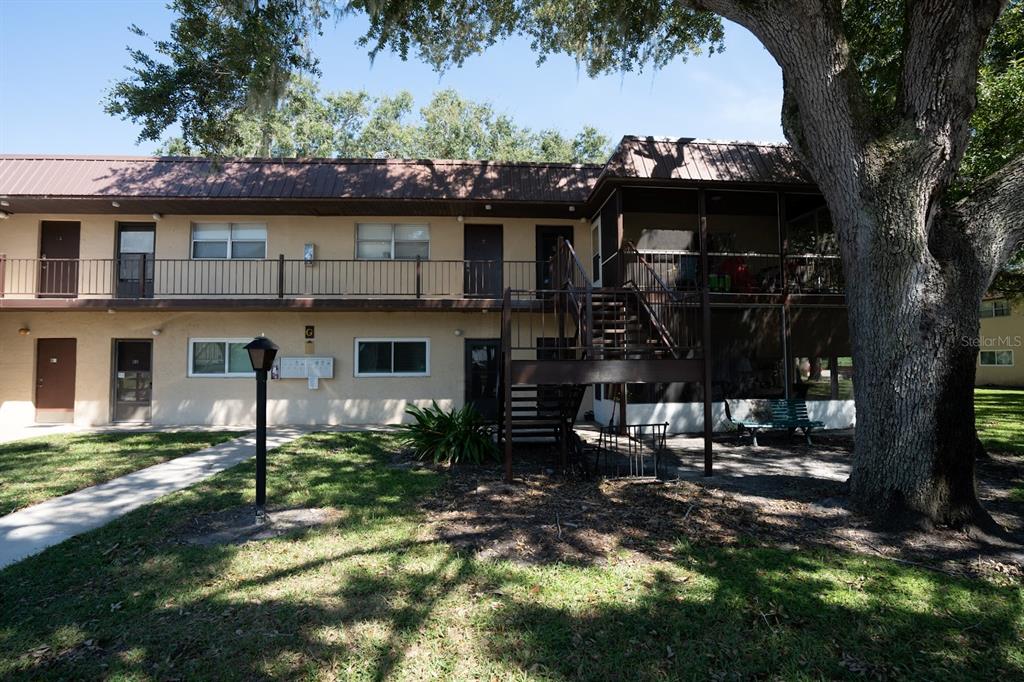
746 273
139 276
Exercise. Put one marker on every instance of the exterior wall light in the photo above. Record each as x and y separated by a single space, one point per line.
115 204
157 332
24 331
458 332
158 216
4 215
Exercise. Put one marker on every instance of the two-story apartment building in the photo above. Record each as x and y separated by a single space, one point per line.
128 286
1001 343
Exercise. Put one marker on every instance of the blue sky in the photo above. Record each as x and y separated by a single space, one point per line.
57 58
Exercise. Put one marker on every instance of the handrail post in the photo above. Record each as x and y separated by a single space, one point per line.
142 276
3 274
280 275
419 274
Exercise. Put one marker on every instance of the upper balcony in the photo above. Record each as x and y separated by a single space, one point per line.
141 281
750 272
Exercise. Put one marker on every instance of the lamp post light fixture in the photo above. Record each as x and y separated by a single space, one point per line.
262 352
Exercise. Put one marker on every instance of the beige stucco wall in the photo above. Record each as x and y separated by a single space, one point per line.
334 238
178 399
1003 333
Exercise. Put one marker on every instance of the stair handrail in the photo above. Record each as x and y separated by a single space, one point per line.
628 248
572 278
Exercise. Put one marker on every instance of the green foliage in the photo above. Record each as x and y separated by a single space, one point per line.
353 124
451 437
225 58
997 126
604 36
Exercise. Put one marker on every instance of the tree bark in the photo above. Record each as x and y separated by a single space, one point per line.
915 270
914 330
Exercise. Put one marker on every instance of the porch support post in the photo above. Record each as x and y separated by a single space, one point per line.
623 409
787 364
506 375
705 308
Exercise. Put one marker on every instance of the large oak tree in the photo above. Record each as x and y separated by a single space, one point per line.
878 102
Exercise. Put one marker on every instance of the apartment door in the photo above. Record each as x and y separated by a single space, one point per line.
483 357
483 251
135 242
55 379
132 383
547 247
58 258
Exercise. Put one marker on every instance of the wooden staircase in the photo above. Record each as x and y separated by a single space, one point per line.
604 335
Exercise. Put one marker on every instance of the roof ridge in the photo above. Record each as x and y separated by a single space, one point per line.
297 160
703 140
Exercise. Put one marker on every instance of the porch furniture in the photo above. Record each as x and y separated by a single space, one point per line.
787 415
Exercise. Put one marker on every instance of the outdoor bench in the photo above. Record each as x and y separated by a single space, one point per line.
786 415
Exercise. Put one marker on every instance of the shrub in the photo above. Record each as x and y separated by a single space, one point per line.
448 437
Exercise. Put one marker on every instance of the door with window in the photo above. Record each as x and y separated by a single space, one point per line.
132 383
135 247
547 248
482 371
55 379
483 251
59 242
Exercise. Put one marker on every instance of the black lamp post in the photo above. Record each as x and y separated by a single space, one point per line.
262 352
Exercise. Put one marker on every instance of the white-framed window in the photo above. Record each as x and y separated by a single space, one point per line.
995 308
996 358
392 357
391 241
213 241
219 358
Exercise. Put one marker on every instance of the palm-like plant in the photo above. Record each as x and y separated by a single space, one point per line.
452 437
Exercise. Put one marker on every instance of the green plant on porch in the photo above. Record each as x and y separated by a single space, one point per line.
449 437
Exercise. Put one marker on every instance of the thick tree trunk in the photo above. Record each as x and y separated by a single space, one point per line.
915 270
916 442
913 308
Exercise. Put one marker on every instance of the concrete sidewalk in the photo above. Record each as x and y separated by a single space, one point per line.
33 529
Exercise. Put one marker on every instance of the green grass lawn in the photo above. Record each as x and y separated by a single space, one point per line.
999 416
36 469
372 598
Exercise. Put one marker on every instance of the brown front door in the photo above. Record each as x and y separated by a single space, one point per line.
547 246
133 380
483 251
55 379
58 258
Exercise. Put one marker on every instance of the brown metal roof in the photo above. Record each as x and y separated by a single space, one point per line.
191 178
97 178
705 161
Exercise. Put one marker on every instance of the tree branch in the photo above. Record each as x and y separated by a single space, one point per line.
938 85
822 94
993 216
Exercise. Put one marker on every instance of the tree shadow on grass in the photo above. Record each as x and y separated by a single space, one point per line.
766 614
374 598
